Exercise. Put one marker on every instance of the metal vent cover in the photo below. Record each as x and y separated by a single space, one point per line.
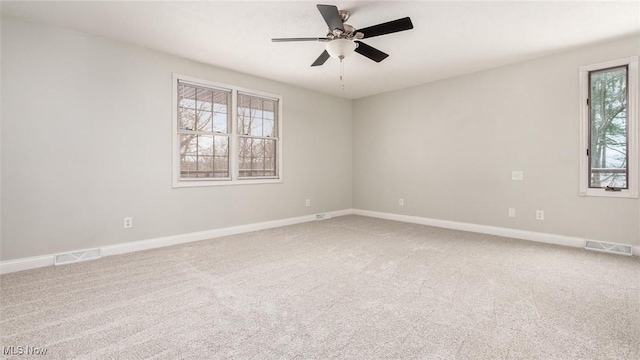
323 216
78 256
609 247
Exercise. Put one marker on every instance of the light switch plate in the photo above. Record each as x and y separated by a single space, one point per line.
517 175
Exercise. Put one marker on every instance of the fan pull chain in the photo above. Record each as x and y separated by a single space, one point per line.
342 72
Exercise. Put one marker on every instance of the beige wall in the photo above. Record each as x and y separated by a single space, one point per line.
448 148
86 141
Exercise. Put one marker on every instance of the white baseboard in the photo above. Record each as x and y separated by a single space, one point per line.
33 262
10 266
483 229
47 260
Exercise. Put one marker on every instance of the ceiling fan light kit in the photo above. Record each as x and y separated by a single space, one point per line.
342 39
340 48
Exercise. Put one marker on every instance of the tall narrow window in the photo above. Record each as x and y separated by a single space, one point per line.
225 135
609 128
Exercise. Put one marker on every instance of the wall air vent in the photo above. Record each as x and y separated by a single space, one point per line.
79 256
323 216
608 247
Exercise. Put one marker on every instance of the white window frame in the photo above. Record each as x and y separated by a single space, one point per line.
234 170
632 128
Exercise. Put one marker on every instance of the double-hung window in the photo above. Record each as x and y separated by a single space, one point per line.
609 129
225 135
257 139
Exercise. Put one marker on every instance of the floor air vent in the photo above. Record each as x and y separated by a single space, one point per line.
607 247
323 216
79 256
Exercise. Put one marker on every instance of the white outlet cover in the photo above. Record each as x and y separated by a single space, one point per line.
517 175
512 212
539 215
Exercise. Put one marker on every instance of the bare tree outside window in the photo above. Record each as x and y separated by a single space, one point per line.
608 128
257 133
203 131
225 135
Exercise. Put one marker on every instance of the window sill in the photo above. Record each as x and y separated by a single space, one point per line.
200 183
624 194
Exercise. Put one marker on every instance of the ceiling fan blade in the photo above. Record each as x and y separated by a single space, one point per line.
298 39
321 59
331 16
387 28
370 52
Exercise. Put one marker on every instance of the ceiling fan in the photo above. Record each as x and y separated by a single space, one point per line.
343 39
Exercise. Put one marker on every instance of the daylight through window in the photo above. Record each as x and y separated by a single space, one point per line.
224 135
608 145
257 134
609 129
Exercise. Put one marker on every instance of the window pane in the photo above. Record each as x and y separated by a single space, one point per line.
270 158
257 148
205 166
186 96
221 166
270 105
257 157
270 148
244 109
204 99
244 147
257 116
243 125
245 167
268 128
221 115
270 118
222 146
196 156
204 120
186 119
220 121
608 128
203 109
270 166
256 126
220 102
256 107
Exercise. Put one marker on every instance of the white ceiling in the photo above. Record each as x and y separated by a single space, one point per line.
449 38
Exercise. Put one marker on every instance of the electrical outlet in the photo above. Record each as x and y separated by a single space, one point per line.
539 215
401 202
128 222
512 212
308 202
517 175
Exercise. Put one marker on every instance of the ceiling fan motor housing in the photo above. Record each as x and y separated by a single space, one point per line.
349 33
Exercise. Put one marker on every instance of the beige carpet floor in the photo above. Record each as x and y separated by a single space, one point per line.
350 287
